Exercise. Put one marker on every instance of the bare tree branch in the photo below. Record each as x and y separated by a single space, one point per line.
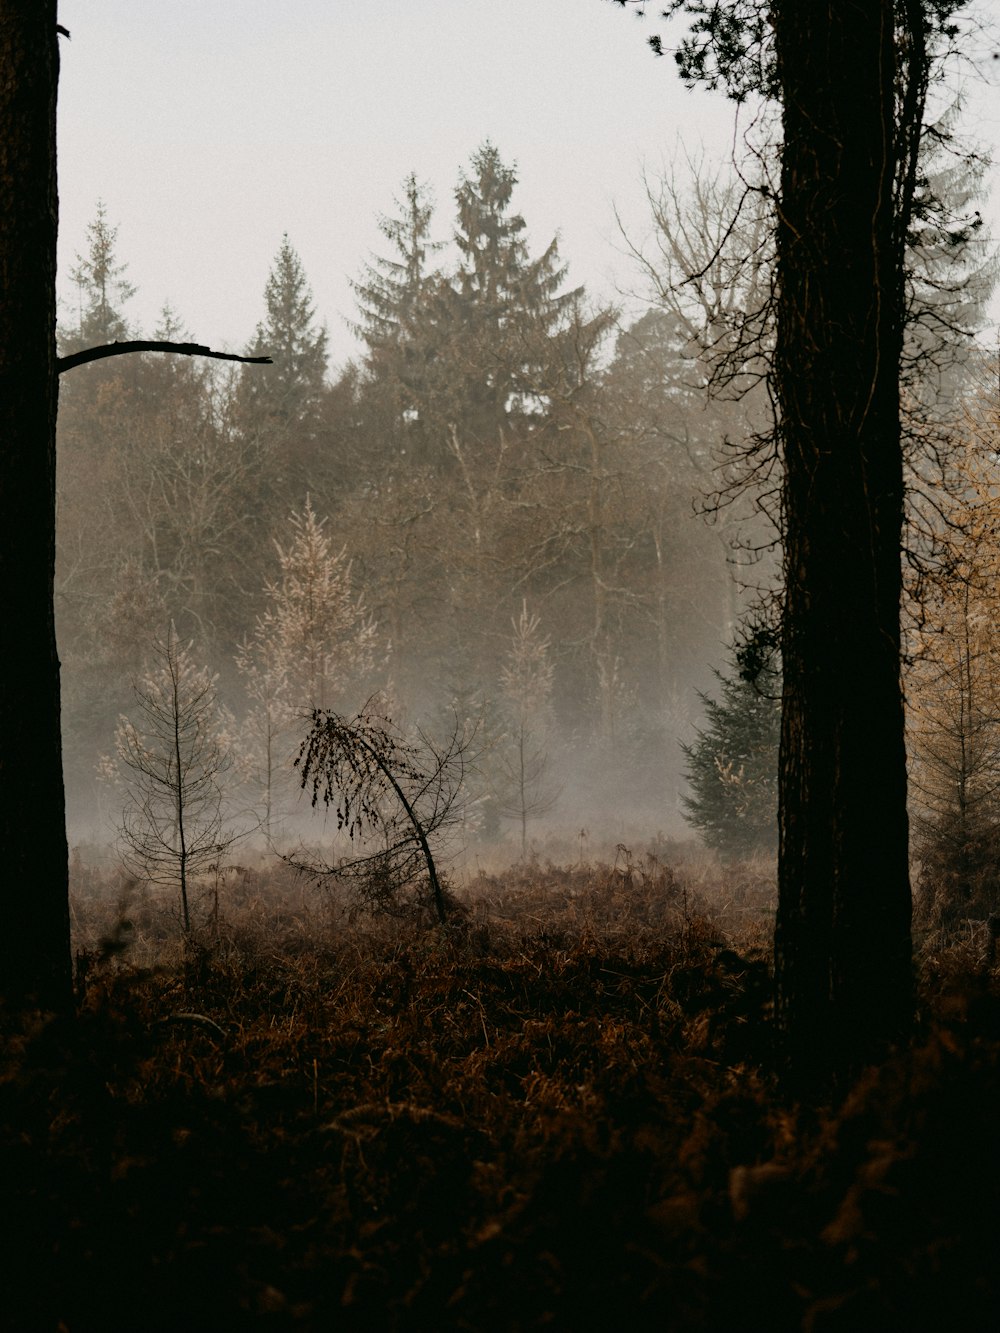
65 363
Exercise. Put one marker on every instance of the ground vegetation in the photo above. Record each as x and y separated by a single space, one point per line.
558 1111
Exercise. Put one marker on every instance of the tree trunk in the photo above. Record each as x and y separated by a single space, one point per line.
34 928
843 952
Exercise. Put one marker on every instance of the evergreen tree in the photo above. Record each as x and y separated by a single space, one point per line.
507 304
102 287
281 408
732 767
279 414
289 392
390 289
34 943
466 353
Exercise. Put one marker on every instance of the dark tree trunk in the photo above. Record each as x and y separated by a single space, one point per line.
843 952
34 921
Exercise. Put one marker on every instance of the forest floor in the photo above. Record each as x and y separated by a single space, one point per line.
557 1113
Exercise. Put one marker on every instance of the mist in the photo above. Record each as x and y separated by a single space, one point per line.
498 519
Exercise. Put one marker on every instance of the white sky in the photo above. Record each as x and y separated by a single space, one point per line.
210 127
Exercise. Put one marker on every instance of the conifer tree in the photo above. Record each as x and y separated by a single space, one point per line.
390 289
102 286
507 304
281 408
313 644
172 755
732 766
953 698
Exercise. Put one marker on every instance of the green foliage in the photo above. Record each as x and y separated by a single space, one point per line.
481 452
732 768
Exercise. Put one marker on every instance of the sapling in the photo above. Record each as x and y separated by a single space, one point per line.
378 784
172 757
526 691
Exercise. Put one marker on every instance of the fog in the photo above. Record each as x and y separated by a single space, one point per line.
484 481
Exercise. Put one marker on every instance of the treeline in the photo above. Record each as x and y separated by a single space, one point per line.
509 475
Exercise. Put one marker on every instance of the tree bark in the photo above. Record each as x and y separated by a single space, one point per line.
34 926
843 950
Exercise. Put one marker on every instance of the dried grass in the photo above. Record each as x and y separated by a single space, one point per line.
554 1113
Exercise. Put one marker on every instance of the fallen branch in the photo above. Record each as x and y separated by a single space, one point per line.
65 363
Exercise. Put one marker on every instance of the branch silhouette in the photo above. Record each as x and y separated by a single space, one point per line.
65 363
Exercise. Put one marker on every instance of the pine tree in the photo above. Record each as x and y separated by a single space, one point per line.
102 287
467 352
732 767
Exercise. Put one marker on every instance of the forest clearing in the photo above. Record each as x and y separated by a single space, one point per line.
359 965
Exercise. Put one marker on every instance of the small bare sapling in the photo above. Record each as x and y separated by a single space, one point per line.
382 787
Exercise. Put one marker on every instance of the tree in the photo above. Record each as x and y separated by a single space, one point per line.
732 766
953 697
853 83
379 784
34 951
526 692
852 80
173 756
34 944
282 408
390 290
313 643
475 338
505 299
102 286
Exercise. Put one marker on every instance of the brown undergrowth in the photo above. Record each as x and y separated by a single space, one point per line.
555 1113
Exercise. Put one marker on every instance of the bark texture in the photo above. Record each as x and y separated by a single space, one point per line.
843 951
34 921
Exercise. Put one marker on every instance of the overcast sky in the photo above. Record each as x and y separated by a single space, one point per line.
210 127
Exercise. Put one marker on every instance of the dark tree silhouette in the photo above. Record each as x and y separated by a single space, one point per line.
852 79
34 942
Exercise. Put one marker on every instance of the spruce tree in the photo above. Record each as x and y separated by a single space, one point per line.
506 304
390 289
102 288
280 411
289 392
732 767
